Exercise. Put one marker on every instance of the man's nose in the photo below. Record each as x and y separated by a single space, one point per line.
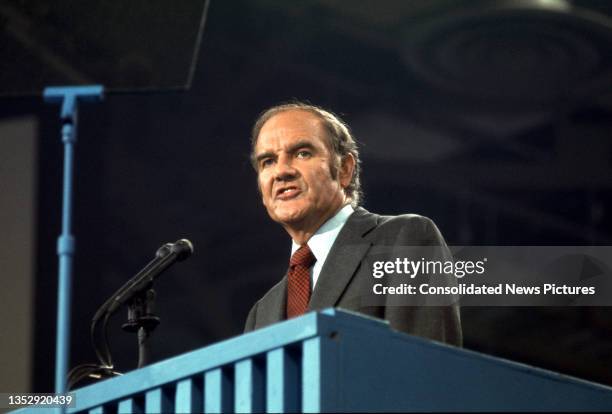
285 169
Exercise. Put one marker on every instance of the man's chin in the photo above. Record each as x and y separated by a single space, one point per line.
290 220
289 217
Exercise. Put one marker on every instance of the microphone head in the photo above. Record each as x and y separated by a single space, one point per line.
183 249
164 251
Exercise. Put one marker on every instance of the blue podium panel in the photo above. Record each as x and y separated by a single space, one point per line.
336 361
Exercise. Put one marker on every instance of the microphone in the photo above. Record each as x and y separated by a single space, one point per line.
165 257
183 248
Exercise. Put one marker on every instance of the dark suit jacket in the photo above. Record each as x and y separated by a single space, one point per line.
344 276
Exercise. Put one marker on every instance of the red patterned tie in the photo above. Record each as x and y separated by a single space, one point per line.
298 281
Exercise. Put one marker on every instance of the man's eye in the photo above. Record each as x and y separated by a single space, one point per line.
267 162
303 154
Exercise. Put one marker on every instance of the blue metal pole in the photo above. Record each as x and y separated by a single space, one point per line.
68 96
65 251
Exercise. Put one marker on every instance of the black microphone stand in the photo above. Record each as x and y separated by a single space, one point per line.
142 321
139 296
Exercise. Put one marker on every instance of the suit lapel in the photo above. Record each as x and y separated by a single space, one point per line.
343 259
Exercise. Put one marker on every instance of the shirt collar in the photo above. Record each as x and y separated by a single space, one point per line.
321 242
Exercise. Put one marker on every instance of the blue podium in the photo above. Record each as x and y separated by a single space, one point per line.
337 361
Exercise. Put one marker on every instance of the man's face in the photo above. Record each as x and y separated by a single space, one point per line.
293 168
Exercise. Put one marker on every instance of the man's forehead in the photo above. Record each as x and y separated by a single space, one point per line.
291 118
288 127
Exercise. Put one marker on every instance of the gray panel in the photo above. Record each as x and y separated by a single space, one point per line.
17 209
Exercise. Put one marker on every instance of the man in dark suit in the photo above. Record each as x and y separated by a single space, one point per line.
307 166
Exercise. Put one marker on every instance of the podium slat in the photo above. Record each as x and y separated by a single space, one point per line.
129 406
189 396
250 387
284 381
159 400
311 374
218 390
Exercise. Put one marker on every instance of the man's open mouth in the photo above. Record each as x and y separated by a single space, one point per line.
287 193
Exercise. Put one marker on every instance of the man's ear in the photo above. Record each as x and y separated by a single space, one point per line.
347 167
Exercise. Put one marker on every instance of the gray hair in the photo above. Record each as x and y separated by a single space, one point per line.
340 141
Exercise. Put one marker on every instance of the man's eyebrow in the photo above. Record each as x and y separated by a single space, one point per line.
263 155
303 143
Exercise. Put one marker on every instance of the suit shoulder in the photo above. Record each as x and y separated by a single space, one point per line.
413 227
415 222
278 289
406 218
253 319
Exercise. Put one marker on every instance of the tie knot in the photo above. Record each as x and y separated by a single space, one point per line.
302 257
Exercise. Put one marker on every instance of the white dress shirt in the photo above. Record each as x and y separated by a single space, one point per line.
321 242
